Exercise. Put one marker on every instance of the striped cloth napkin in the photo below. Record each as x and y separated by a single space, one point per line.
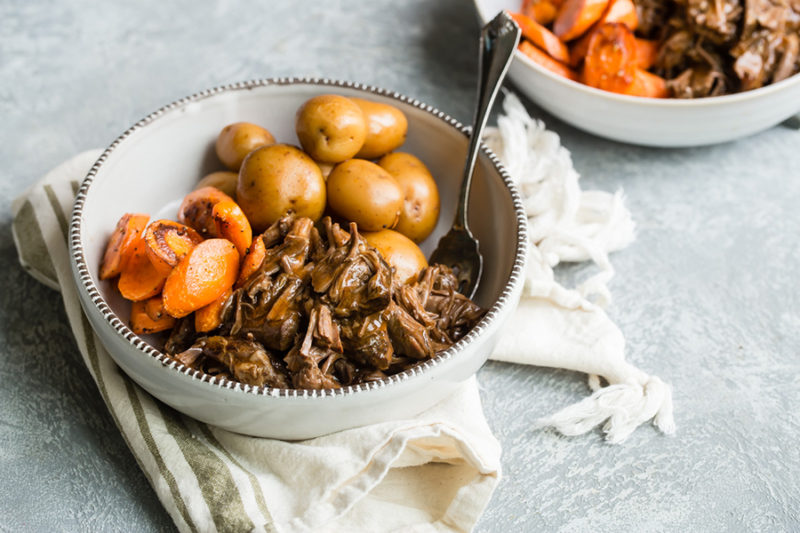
433 473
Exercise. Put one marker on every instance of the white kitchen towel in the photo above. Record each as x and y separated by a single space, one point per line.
559 327
433 473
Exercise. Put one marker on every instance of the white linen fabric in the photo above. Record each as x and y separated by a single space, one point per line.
559 327
435 472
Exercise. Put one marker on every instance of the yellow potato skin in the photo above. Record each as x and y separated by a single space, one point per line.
237 140
400 252
279 180
362 192
387 127
223 180
421 204
331 128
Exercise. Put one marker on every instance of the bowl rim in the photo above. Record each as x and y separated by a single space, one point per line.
656 102
88 286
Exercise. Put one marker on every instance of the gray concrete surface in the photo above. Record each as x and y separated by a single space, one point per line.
707 296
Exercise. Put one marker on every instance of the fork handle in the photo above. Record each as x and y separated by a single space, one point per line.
499 39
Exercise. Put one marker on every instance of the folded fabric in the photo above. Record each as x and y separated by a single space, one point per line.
433 473
559 327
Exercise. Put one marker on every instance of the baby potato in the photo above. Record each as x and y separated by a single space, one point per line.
400 252
362 192
331 128
420 195
223 180
279 180
325 168
237 140
386 128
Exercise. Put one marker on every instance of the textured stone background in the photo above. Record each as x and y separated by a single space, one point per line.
708 295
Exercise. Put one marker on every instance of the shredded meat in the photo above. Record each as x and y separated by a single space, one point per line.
715 47
323 311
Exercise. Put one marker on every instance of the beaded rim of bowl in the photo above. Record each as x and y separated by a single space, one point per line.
79 261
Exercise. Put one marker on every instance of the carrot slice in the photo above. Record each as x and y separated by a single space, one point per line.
120 245
542 11
646 53
167 242
252 260
623 11
143 322
232 224
544 60
155 307
201 277
140 280
210 317
576 16
610 62
196 210
648 84
541 37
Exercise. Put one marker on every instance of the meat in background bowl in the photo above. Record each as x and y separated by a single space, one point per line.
150 167
649 121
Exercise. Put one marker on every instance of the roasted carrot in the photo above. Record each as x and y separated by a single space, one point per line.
610 62
542 11
142 322
140 280
232 224
544 60
646 53
623 11
167 242
252 260
196 210
541 37
647 84
576 16
201 277
155 307
119 249
210 317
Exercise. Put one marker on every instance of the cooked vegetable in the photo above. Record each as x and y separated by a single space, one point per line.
280 180
610 62
623 11
223 180
542 11
386 128
331 128
140 280
400 252
237 140
210 317
647 84
197 210
420 210
252 260
121 245
202 276
576 16
232 224
364 193
646 53
166 242
544 60
542 37
148 316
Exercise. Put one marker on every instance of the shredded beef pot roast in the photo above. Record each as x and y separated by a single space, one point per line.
716 47
323 311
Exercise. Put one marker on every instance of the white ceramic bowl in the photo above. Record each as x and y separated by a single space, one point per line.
151 166
648 121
